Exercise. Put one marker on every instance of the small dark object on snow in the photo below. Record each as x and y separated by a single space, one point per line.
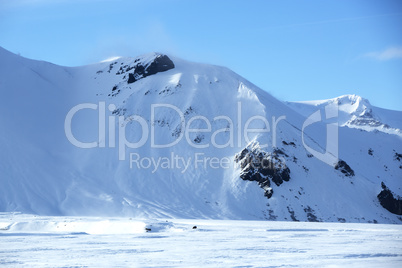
148 229
194 227
289 143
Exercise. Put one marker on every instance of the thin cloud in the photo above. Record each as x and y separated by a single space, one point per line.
387 54
340 20
111 59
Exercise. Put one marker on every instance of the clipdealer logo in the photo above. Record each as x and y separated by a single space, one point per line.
238 135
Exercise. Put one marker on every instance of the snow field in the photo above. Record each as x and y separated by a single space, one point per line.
36 241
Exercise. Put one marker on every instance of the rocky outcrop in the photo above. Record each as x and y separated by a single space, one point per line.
388 201
343 167
262 167
161 63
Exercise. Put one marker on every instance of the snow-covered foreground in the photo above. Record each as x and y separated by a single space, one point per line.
71 241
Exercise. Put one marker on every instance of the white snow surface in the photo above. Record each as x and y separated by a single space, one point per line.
42 173
32 241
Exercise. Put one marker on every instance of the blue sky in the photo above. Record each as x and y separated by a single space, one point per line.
296 50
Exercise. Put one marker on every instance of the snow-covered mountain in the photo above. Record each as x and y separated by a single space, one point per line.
157 136
356 112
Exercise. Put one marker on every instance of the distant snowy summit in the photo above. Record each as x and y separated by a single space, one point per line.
355 112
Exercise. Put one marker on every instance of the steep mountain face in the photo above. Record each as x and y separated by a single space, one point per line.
156 136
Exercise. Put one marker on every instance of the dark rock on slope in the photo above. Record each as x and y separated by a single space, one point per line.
388 201
262 167
343 167
161 63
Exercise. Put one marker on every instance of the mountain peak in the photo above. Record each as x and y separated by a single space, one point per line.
149 65
355 111
354 100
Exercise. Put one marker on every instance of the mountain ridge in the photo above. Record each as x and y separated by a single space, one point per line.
44 173
356 112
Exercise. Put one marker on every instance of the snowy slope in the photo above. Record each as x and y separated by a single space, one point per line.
42 172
